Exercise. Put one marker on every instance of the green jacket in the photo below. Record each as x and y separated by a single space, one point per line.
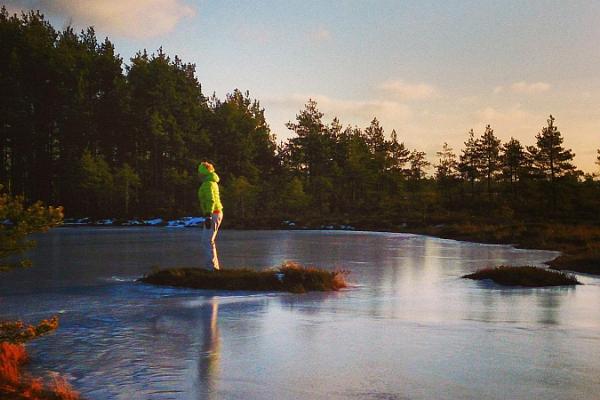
208 194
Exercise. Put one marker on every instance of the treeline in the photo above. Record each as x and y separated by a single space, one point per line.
363 176
82 129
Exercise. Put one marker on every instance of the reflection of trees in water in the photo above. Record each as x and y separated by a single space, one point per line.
210 351
549 305
308 303
495 303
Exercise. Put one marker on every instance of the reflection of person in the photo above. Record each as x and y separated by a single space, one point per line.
208 367
210 202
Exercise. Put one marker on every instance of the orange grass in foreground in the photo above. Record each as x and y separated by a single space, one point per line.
15 385
290 277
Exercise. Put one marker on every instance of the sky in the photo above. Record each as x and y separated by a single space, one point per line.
431 70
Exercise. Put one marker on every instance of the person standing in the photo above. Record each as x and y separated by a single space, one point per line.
212 209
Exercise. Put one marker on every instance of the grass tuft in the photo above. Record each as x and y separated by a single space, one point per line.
16 385
12 356
290 277
524 276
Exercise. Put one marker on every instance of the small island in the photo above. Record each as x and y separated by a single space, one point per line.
290 277
584 262
526 276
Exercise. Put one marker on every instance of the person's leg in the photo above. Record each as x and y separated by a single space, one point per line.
205 260
216 223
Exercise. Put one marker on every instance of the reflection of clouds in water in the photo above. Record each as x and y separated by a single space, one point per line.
492 303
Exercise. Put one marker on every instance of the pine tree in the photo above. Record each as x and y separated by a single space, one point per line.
398 155
468 164
378 146
239 121
551 161
358 178
309 150
446 170
418 164
513 160
446 167
375 137
489 156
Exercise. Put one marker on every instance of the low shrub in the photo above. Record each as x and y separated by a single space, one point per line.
19 332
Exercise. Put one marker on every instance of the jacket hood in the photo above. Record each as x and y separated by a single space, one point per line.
211 176
206 174
202 170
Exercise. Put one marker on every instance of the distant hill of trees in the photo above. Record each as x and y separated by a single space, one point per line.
82 129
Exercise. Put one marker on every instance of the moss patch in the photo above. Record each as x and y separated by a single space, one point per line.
524 276
290 277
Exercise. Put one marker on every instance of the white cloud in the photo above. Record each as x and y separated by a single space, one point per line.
410 91
130 18
514 114
529 88
512 121
320 35
523 87
359 112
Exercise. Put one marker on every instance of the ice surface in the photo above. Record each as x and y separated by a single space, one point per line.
410 329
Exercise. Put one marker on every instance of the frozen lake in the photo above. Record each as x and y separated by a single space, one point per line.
409 329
